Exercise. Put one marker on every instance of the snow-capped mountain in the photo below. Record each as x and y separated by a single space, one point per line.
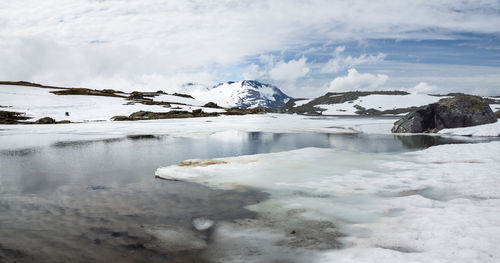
241 94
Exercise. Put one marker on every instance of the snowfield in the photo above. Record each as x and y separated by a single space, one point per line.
379 102
39 102
487 130
437 205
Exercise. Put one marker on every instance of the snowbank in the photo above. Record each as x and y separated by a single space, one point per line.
490 130
437 205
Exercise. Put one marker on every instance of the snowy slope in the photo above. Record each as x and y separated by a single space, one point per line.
379 102
243 94
39 102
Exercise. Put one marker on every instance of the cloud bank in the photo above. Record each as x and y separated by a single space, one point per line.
153 44
355 81
339 62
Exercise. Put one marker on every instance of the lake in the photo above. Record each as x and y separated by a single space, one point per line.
99 201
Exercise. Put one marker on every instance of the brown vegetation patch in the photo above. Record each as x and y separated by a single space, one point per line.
88 92
201 163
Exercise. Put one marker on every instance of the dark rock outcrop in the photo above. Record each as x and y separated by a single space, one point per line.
363 111
183 95
11 117
63 122
87 92
46 120
148 115
459 111
237 111
212 105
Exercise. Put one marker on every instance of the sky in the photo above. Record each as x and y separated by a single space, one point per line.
305 47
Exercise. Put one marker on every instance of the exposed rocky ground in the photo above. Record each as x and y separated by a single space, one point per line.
11 117
148 115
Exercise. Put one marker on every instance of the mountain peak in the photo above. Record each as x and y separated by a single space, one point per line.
246 94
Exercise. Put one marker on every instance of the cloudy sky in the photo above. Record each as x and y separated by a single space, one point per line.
305 47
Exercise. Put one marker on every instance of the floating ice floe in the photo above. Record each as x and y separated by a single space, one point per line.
441 204
202 223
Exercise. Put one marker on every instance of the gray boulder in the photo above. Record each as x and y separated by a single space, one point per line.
46 120
459 111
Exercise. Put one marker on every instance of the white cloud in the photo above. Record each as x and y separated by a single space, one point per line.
422 87
355 81
277 70
74 42
253 72
289 71
339 62
151 82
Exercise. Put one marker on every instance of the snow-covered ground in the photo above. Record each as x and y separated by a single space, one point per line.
437 205
495 107
301 102
39 102
379 102
179 99
489 130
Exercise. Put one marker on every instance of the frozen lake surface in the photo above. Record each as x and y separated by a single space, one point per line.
86 198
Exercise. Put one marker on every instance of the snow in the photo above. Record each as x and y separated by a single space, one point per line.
301 102
39 102
379 102
178 99
495 107
441 204
233 94
202 223
487 130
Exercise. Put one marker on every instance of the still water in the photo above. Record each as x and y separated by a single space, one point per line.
98 201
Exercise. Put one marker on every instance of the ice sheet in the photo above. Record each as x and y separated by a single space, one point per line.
437 205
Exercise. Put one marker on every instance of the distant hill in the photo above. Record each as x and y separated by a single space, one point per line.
366 103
